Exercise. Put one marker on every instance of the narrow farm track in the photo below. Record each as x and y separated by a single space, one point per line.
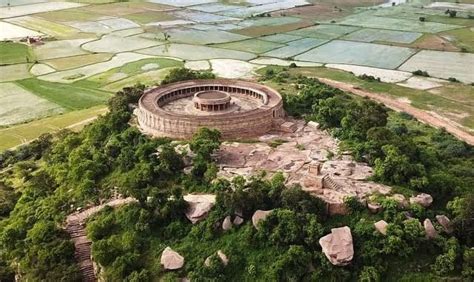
400 106
75 226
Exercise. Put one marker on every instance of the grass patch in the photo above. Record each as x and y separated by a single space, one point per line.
68 96
15 53
18 134
463 38
277 142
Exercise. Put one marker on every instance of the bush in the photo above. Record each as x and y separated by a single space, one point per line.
421 73
181 74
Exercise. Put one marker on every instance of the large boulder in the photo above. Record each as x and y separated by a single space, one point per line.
445 222
199 206
381 226
422 199
171 260
227 223
258 216
337 246
429 229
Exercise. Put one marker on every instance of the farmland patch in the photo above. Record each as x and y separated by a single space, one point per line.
295 47
15 53
10 31
44 26
14 72
40 69
201 17
19 105
443 64
133 68
116 44
251 45
369 21
358 53
389 76
78 61
148 78
228 68
284 63
196 52
324 31
70 97
373 35
192 36
280 38
60 48
23 10
69 76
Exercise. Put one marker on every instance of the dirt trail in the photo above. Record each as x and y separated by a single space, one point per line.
400 106
75 226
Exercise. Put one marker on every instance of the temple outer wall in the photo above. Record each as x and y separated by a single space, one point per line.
249 124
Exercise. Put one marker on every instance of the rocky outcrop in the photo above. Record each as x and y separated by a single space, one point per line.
381 226
422 199
227 223
221 256
258 216
445 223
199 206
429 229
338 246
171 260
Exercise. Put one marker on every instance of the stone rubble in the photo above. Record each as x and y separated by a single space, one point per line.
238 220
445 223
430 231
423 199
338 246
302 156
227 223
171 260
381 226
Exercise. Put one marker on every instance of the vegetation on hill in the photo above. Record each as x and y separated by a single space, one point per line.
42 182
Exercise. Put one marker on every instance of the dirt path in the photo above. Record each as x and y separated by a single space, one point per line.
75 226
400 106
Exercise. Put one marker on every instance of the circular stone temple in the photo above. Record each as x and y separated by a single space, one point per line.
211 101
238 109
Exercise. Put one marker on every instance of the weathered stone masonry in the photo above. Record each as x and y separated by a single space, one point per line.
154 120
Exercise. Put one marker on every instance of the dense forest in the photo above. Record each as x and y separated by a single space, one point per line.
42 182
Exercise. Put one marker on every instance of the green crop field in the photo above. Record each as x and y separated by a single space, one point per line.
68 96
15 53
18 134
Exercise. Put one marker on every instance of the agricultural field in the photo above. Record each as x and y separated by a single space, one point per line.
88 49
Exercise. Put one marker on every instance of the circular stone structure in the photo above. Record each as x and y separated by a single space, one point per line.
238 109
